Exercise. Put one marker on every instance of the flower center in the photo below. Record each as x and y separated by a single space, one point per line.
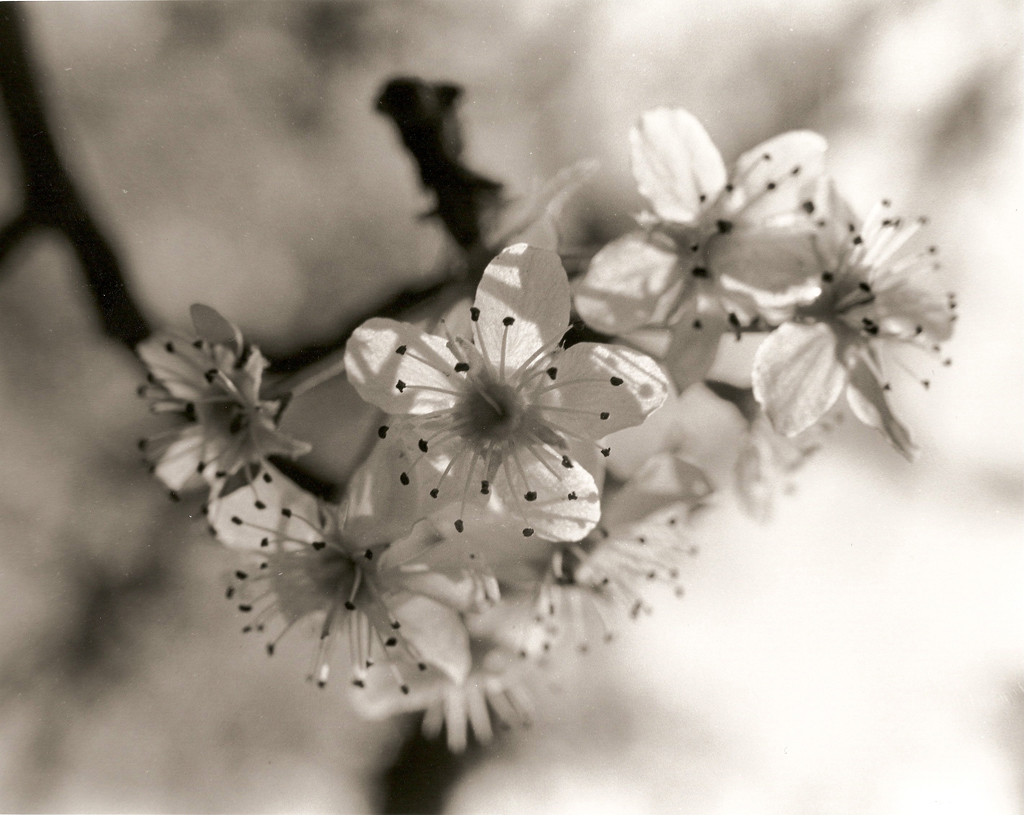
310 581
491 412
227 417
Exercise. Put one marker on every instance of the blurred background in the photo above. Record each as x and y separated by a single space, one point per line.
861 653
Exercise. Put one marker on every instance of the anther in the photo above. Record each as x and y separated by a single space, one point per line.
245 607
200 467
236 520
605 414
725 227
230 592
267 478
702 197
571 496
319 545
241 575
606 451
170 347
270 649
770 186
459 526
404 478
368 554
699 271
828 277
265 542
530 496
616 381
508 321
864 286
382 431
566 462
286 512
210 375
858 240
552 373
260 505
422 444
461 367
795 170
391 642
698 324
400 350
400 385
808 207
528 532
421 665
485 488
405 689
350 605
474 314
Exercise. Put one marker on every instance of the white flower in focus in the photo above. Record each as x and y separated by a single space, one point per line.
212 382
719 251
873 298
494 411
320 562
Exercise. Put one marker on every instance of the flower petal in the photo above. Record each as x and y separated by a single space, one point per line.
212 327
797 376
770 259
176 364
776 177
267 515
437 633
911 300
564 502
631 282
867 401
523 302
176 465
400 368
600 389
379 508
676 165
694 346
663 481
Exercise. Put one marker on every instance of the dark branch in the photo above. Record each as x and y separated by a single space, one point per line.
426 119
50 197
423 773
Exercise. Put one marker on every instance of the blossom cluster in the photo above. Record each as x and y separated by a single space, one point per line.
484 534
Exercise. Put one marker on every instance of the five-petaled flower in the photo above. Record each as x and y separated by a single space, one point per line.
212 381
872 296
498 411
719 252
322 562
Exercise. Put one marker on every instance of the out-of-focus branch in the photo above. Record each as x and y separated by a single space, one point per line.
50 197
423 773
425 116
